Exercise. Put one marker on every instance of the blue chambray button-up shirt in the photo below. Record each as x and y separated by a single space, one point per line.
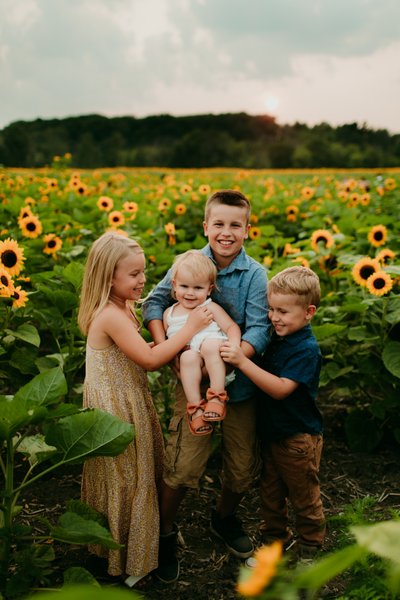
242 292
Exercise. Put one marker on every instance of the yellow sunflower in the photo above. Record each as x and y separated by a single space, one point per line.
105 203
6 283
31 227
267 559
307 192
389 184
377 235
11 256
116 218
323 237
364 268
385 256
24 212
20 297
204 189
180 209
186 188
164 204
267 261
130 207
52 242
170 229
302 261
291 212
364 199
254 233
379 283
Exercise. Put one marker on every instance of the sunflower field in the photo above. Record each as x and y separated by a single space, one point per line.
343 225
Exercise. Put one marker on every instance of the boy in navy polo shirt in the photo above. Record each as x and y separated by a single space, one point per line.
290 424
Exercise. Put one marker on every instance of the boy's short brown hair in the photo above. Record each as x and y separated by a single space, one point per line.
230 198
299 281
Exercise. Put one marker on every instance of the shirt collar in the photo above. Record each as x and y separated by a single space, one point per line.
296 337
240 262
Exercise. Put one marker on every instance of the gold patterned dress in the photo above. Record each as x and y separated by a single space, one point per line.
125 488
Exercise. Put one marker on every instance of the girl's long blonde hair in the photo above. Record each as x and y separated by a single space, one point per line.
101 263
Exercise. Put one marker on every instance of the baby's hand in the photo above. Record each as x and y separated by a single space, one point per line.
231 353
200 317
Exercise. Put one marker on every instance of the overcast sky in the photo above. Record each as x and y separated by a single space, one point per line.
336 61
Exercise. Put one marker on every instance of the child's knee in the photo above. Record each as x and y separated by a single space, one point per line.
189 358
210 347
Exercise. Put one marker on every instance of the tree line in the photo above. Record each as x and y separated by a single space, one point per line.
200 141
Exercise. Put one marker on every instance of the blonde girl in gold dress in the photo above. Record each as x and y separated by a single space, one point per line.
125 488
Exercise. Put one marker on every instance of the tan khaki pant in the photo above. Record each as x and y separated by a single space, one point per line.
187 455
290 471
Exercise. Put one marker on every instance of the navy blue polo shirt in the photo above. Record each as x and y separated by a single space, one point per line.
296 357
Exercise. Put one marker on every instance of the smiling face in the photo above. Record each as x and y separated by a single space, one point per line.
226 228
288 314
129 278
190 291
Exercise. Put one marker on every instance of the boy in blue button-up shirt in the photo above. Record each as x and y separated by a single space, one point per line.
241 291
289 422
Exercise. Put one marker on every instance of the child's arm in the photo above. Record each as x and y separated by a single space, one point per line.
118 326
154 306
276 387
225 323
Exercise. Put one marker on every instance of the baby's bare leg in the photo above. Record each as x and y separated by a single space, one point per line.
190 369
214 364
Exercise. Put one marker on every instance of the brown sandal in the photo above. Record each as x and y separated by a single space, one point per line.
216 403
198 425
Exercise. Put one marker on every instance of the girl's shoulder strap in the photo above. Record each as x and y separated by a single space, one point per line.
206 302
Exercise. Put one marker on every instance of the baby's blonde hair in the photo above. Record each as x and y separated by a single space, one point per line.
104 255
197 263
299 281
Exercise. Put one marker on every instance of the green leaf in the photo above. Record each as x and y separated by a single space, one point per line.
46 388
62 299
89 433
383 539
361 334
15 415
327 330
74 529
28 333
86 512
89 592
327 568
36 449
391 357
73 273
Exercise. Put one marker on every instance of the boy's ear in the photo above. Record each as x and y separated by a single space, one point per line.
310 312
205 228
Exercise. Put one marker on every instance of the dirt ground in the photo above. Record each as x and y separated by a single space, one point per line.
208 572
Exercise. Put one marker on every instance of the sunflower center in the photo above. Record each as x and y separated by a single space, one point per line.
31 226
378 235
322 239
51 244
379 283
16 295
9 259
366 272
4 280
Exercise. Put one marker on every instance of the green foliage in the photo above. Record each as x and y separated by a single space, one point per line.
33 424
200 141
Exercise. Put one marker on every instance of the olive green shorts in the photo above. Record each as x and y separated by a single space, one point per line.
187 455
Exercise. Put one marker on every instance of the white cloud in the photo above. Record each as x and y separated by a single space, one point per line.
332 60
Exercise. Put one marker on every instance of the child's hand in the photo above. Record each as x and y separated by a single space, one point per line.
231 353
200 317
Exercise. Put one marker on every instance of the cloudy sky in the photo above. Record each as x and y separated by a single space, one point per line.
336 61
